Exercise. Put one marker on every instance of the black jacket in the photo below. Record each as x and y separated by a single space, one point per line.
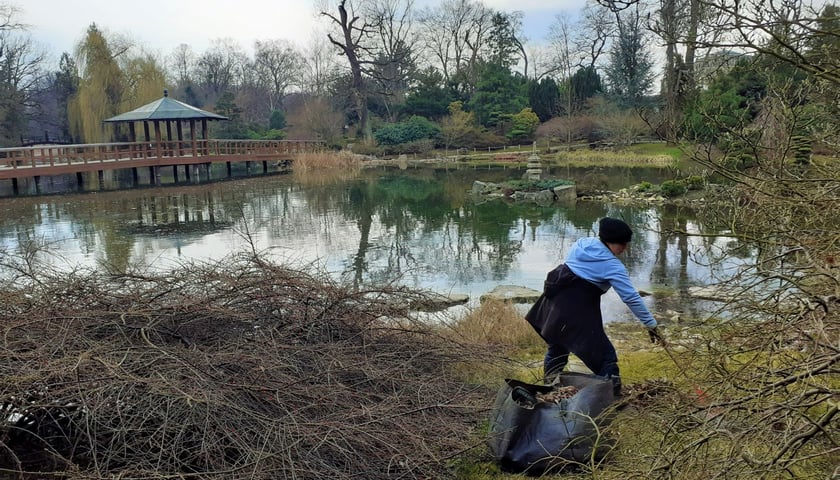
568 307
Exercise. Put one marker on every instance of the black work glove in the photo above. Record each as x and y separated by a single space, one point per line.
655 337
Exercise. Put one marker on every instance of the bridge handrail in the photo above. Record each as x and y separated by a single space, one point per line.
186 140
68 154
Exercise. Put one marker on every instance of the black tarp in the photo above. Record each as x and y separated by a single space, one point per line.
532 436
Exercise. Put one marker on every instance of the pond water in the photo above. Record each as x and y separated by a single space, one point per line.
416 227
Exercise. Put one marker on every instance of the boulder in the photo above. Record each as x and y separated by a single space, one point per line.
512 294
565 193
435 302
711 292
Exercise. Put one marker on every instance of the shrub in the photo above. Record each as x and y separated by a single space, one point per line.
644 187
415 128
523 125
275 134
672 188
277 121
694 182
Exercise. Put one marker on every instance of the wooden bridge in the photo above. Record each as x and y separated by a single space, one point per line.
45 160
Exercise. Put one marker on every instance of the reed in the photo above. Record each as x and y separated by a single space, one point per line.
324 160
497 323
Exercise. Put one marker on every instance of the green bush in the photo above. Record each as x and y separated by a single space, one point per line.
277 120
694 182
523 125
644 187
415 128
672 188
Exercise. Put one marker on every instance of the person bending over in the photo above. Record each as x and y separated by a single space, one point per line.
568 313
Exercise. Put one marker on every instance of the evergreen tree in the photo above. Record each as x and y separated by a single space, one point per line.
503 41
630 70
234 127
544 98
584 84
277 121
65 85
428 98
497 93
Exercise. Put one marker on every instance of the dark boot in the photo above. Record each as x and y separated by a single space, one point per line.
616 381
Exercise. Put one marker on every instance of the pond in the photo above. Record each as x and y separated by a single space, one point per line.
418 227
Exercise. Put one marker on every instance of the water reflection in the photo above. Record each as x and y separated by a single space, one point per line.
416 227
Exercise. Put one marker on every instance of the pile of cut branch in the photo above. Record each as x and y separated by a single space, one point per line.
230 370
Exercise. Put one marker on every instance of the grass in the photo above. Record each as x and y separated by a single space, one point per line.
656 149
611 158
498 325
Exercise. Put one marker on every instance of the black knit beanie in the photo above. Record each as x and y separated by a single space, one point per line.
613 230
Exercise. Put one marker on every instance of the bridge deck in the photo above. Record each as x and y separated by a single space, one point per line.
45 160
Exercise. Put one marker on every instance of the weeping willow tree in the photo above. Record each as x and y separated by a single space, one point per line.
112 81
101 87
145 81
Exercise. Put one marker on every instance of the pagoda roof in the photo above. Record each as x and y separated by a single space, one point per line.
165 109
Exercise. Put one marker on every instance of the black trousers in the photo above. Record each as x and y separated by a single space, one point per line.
593 348
568 317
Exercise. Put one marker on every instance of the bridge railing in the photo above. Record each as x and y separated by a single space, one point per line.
54 155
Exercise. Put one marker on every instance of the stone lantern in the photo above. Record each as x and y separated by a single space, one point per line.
534 169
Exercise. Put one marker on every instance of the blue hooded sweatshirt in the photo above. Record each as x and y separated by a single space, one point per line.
591 260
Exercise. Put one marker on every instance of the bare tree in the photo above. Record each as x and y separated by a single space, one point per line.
375 41
354 30
683 26
21 76
219 69
320 67
278 64
454 35
181 64
395 62
541 60
772 365
596 29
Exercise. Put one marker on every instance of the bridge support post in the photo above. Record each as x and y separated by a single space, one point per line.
187 172
15 188
37 184
265 167
80 181
175 172
207 167
152 176
101 175
229 170
135 178
247 167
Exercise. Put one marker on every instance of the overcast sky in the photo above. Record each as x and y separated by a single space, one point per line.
161 25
